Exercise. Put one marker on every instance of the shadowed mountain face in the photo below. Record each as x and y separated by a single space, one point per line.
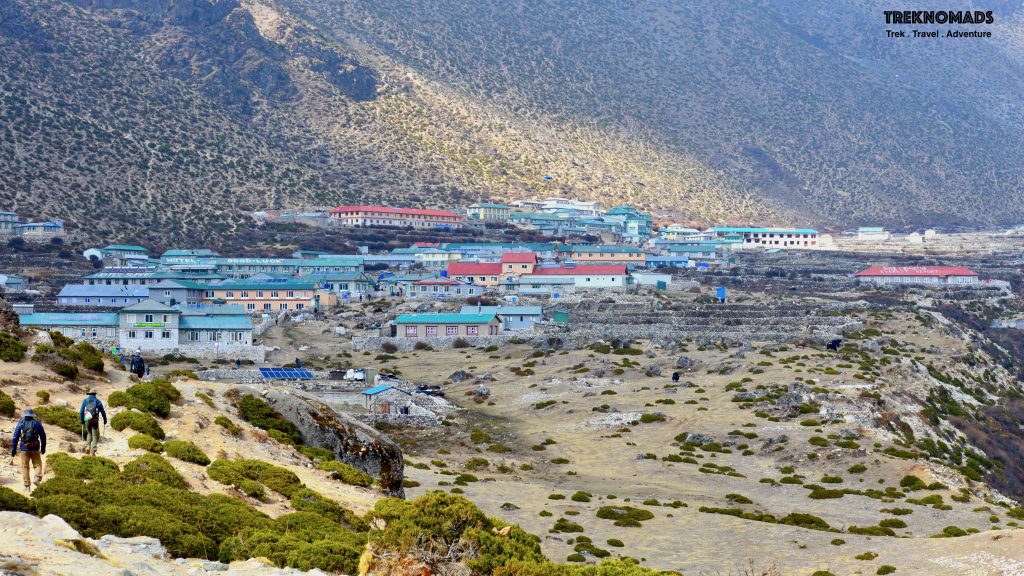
177 116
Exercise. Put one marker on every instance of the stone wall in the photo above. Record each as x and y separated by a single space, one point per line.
438 342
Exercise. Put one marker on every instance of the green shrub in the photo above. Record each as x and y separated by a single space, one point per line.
316 454
44 396
225 472
262 415
7 407
11 349
479 436
151 467
121 398
280 480
581 496
805 521
346 473
625 516
138 421
856 469
61 417
84 468
152 396
886 569
14 502
226 423
145 442
306 500
186 452
68 371
437 523
892 523
953 531
871 531
911 482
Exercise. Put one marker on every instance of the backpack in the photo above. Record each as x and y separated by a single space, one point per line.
91 412
30 436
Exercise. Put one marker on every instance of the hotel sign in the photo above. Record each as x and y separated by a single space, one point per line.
150 324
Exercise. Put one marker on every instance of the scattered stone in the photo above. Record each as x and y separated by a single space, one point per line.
702 439
684 362
509 507
653 370
459 376
848 433
214 566
482 391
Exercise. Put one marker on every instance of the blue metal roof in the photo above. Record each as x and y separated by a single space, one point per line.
103 290
69 319
377 390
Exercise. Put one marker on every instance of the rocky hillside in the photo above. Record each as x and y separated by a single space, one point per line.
178 116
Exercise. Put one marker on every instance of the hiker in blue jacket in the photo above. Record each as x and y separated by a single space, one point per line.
30 440
89 414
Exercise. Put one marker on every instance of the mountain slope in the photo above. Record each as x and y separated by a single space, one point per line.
178 116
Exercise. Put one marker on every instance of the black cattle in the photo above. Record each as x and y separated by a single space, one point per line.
835 344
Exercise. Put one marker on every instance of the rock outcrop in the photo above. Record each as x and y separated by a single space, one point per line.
351 441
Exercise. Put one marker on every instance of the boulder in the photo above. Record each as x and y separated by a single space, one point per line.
848 433
482 391
351 441
459 376
684 362
141 545
653 370
43 337
702 439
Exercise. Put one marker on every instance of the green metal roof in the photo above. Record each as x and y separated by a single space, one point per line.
125 248
69 319
756 230
216 322
151 306
488 205
609 249
201 252
442 318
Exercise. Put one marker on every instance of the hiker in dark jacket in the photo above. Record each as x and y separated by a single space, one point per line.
89 415
138 365
30 440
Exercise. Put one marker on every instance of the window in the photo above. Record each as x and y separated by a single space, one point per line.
274 294
259 294
209 293
250 306
95 332
230 294
147 334
99 300
431 330
451 330
167 293
218 336
266 306
411 331
245 294
291 294
300 306
237 336
83 332
166 334
167 318
148 318
87 300
472 330
283 306
193 336
110 332
132 334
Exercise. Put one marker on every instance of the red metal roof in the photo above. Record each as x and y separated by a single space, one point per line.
474 268
518 258
397 211
939 271
595 270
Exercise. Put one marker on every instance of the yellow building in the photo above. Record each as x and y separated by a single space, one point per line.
608 254
272 295
486 212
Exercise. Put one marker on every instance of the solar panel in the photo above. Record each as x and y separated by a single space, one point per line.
286 373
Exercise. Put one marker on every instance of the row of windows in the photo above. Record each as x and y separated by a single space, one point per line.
268 307
100 300
413 331
436 289
259 294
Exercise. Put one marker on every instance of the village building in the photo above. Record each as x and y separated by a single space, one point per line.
552 204
9 223
446 325
512 317
148 276
175 292
873 233
533 285
272 295
153 328
124 252
636 225
13 283
707 251
479 273
346 284
488 212
518 263
443 288
680 232
386 216
608 255
926 275
584 276
752 237
103 296
40 231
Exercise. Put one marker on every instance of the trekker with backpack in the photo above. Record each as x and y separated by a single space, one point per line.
89 414
138 365
30 440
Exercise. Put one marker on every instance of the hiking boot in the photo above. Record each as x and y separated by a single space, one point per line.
28 489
